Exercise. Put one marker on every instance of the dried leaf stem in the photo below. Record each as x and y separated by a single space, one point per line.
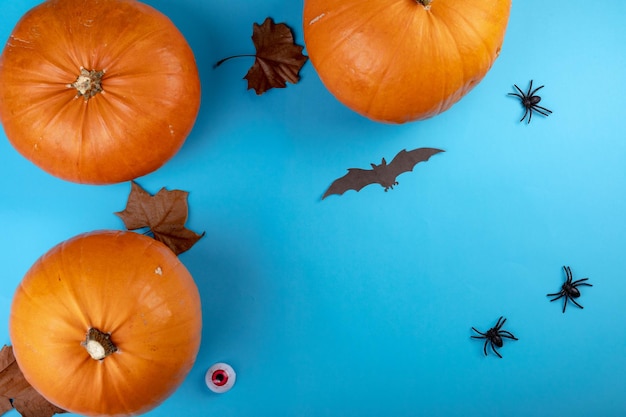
221 61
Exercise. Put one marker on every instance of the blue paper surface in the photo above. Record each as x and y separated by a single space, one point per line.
362 304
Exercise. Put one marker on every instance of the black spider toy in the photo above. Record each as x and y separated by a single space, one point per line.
494 336
569 289
530 101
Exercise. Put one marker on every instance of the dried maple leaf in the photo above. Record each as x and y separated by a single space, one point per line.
164 214
16 392
278 58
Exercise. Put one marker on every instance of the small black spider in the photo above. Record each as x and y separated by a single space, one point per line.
530 101
569 289
494 336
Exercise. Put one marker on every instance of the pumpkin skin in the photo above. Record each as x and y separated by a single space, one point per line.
122 283
397 60
149 102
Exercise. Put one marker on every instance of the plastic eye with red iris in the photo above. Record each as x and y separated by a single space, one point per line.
220 377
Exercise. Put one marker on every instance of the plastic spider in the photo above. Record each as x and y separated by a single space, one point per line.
494 336
530 101
569 289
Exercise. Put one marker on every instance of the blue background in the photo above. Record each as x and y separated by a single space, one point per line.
361 304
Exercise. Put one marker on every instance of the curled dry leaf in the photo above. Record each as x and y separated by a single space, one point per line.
278 58
16 392
164 214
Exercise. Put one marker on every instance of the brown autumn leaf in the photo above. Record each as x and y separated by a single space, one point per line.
16 392
278 58
164 214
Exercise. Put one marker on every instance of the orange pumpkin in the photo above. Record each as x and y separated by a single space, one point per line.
97 91
402 60
106 323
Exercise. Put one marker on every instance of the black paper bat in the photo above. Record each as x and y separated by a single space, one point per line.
383 174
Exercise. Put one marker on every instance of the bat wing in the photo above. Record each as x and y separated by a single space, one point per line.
405 160
355 179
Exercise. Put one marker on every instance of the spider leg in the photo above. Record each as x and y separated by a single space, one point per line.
542 108
535 90
499 323
494 350
574 301
479 332
554 299
530 87
568 273
536 108
524 116
485 346
507 334
565 302
520 91
516 95
530 113
578 282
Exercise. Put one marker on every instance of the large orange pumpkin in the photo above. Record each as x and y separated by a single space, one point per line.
403 60
97 91
106 323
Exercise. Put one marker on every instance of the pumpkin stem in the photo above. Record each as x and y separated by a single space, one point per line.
425 3
88 83
98 344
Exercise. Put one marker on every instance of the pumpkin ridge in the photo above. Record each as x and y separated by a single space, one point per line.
467 23
47 304
122 54
431 34
35 75
73 376
107 136
447 97
84 142
75 310
48 33
32 298
113 371
37 106
71 292
347 9
399 45
114 110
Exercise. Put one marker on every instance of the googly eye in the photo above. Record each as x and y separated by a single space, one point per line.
220 377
